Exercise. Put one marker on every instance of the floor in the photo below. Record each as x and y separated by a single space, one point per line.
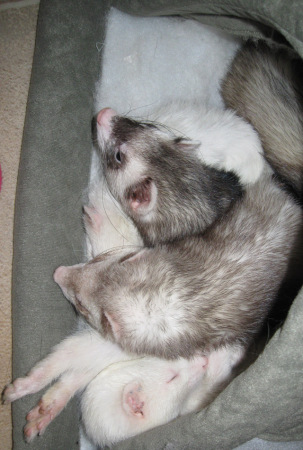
17 38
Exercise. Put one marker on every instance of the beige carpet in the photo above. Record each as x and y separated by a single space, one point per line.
17 37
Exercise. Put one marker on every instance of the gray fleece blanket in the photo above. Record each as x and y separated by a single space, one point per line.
266 401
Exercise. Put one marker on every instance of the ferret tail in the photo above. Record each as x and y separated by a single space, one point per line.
265 86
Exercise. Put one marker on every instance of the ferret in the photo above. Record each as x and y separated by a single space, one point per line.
201 282
123 395
200 290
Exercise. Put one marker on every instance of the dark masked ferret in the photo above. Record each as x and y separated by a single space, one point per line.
176 184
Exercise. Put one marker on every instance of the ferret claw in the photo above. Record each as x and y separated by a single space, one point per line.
9 394
37 424
18 389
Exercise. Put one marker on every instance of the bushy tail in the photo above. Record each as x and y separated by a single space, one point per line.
265 86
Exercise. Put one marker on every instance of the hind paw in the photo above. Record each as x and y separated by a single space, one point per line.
18 389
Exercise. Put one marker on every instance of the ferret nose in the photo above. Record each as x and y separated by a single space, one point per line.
59 274
104 117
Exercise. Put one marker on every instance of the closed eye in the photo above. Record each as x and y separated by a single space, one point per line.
80 307
172 378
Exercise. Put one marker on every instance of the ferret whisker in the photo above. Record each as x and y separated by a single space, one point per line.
108 216
130 110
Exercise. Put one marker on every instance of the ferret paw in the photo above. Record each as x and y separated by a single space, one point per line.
36 423
38 419
18 389
42 415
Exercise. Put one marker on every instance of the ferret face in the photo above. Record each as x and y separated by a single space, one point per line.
144 400
133 399
158 179
75 283
91 287
129 298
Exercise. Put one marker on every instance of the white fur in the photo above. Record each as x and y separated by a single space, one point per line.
110 227
163 399
239 151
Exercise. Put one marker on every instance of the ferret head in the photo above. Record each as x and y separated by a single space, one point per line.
158 179
93 288
77 283
145 400
140 395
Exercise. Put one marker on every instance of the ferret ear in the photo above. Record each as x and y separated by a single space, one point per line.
133 399
133 256
143 197
92 218
110 324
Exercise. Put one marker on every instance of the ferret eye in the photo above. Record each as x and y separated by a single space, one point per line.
172 377
118 157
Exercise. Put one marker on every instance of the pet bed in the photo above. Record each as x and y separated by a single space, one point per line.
266 401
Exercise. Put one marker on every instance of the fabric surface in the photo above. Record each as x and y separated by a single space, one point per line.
244 18
265 401
159 56
17 37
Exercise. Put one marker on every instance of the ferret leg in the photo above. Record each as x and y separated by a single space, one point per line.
53 402
66 356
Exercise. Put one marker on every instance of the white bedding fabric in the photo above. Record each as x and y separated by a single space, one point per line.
150 60
147 61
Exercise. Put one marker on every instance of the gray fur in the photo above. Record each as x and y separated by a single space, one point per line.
265 86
